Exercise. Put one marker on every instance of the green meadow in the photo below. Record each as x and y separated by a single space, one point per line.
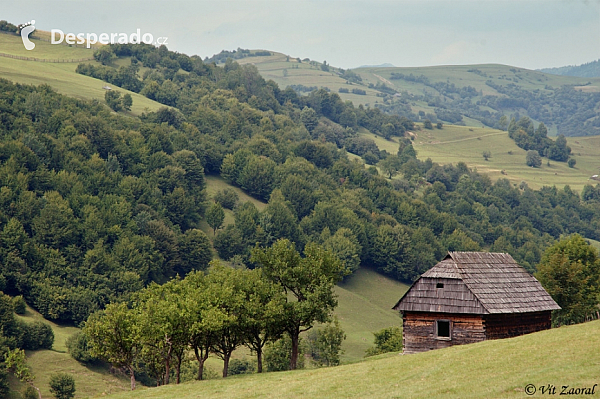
453 144
61 76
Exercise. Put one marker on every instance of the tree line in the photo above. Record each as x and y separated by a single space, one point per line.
218 312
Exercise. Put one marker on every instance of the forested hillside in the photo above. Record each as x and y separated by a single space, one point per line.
95 205
587 70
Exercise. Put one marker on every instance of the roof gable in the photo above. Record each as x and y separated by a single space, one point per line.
497 283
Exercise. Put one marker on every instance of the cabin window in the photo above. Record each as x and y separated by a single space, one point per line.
442 328
439 285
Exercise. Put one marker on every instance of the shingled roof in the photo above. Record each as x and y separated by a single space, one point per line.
477 283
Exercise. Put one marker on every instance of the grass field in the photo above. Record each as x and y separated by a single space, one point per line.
289 72
490 369
89 381
453 144
285 73
463 75
61 76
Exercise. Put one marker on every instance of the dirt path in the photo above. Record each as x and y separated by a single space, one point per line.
465 139
384 80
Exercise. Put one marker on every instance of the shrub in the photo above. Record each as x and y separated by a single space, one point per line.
241 366
227 197
370 158
29 393
277 354
533 159
79 349
19 304
36 335
62 386
4 386
325 345
113 100
571 162
386 340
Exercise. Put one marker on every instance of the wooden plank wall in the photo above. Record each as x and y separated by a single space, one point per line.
419 330
515 324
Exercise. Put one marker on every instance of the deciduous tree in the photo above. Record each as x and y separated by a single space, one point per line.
570 272
113 336
307 282
215 215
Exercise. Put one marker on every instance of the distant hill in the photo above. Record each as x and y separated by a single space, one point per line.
467 94
471 95
386 65
588 70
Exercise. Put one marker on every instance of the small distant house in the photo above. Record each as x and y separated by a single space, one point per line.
470 297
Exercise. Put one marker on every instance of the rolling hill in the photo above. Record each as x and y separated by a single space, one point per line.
60 75
490 369
287 71
365 302
472 95
365 298
441 146
588 70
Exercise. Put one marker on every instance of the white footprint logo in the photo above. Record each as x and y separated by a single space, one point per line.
26 29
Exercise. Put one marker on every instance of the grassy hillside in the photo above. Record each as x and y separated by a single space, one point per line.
61 76
365 306
492 369
421 95
365 302
453 144
89 381
286 72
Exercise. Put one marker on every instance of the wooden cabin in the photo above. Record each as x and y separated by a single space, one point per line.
470 297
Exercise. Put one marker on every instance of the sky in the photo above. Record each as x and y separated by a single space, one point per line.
526 33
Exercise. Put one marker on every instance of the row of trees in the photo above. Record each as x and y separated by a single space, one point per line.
219 312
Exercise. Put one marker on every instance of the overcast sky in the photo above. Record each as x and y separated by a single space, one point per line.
526 33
